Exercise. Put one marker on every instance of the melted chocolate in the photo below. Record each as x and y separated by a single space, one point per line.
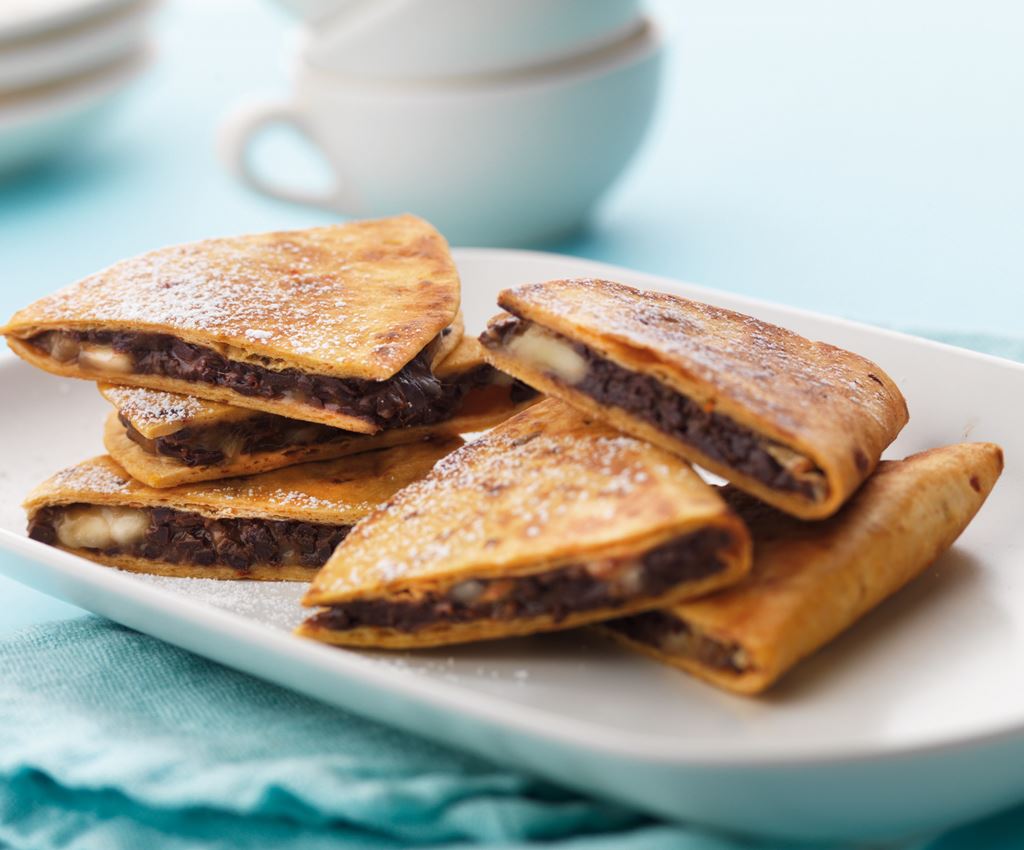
412 396
557 593
716 435
183 537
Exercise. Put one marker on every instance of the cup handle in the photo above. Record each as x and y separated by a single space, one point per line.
236 136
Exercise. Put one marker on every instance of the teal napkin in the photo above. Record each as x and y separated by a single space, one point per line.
112 740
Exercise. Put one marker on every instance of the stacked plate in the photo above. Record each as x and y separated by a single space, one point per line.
61 63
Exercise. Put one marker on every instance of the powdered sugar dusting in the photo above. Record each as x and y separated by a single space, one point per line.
769 370
151 407
274 603
92 477
227 287
287 500
541 485
361 305
340 490
306 501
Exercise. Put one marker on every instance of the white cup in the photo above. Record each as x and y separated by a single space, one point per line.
418 39
515 162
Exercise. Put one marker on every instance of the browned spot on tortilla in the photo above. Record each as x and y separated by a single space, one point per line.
861 460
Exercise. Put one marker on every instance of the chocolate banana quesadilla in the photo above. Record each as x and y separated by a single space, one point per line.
339 325
799 424
812 580
165 439
548 521
281 525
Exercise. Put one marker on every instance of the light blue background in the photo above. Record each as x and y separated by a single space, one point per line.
858 158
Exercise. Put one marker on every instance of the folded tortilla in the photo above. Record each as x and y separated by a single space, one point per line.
165 439
336 324
812 580
282 525
546 522
799 424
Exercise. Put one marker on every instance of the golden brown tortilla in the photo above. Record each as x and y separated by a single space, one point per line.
483 408
826 413
812 580
336 492
356 300
544 490
157 414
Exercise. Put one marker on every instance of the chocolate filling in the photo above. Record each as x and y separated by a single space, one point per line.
657 629
182 537
263 433
714 434
268 432
557 593
412 396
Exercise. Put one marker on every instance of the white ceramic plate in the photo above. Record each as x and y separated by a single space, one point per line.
911 721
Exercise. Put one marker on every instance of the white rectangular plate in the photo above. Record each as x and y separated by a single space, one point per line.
912 720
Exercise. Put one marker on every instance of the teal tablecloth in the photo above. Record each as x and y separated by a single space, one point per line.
112 740
860 159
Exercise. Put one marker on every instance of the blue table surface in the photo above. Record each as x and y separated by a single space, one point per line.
863 159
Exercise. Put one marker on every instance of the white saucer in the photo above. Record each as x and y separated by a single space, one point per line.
36 125
72 51
22 19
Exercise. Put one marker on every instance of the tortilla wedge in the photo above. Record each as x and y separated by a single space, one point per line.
812 580
334 324
548 521
799 424
278 526
166 439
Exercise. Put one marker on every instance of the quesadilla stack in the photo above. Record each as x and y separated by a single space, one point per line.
286 407
281 525
164 439
796 423
339 325
231 357
547 522
812 580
